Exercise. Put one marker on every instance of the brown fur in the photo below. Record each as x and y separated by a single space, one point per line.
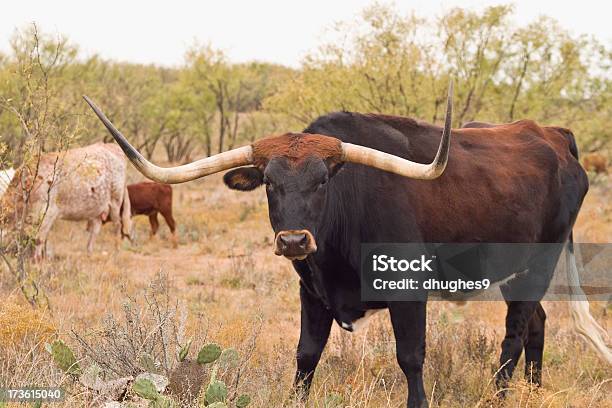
149 198
595 162
239 178
296 147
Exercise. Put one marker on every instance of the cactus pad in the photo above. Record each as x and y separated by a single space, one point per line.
242 401
182 355
209 353
215 392
145 389
229 358
64 358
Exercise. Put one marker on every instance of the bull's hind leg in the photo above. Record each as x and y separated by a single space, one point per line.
154 223
93 226
523 295
114 215
517 322
172 225
534 346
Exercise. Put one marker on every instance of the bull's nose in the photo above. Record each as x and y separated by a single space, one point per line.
295 244
288 240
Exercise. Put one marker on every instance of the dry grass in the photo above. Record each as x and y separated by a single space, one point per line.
233 286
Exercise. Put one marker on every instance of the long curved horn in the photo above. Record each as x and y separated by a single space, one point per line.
179 174
394 164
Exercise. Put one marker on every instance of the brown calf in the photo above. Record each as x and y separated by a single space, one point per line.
149 198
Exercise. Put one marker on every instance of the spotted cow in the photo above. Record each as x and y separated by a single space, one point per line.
81 184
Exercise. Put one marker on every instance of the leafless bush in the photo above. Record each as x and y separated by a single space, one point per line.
145 338
38 122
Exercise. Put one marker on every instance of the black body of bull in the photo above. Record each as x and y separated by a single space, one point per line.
510 183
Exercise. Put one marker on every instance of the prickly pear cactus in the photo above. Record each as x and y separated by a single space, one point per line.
215 392
184 351
91 376
229 358
147 363
159 381
163 402
209 353
242 401
145 389
64 357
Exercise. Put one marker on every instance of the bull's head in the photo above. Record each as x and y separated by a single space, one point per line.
295 168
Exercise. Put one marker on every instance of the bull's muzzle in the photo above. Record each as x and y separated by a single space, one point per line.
294 244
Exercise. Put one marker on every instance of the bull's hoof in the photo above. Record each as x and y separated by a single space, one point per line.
418 404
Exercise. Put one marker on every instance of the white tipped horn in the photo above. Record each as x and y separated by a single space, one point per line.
394 164
171 175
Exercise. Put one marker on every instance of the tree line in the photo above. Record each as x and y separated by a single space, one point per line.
381 62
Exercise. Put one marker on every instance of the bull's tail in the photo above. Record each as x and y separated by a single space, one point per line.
126 215
584 323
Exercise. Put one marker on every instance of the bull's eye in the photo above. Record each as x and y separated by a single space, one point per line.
321 184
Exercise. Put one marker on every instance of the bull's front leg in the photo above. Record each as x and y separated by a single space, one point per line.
41 238
409 321
315 327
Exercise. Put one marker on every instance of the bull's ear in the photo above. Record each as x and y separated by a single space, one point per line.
243 178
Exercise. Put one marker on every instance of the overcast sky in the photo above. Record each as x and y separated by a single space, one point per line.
276 31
